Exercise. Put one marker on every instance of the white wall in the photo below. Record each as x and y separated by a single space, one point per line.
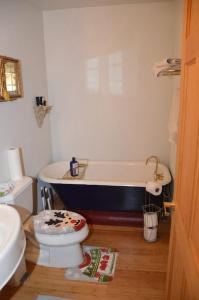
107 104
21 32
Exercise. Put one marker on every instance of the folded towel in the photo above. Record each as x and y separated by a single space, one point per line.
174 61
167 64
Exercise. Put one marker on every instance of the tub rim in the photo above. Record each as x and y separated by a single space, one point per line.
42 176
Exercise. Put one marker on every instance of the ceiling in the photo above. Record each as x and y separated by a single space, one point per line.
64 4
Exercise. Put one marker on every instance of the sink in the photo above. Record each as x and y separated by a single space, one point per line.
12 243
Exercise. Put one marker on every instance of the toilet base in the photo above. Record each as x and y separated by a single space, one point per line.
60 257
56 257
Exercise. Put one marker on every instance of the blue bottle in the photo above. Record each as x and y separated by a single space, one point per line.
74 170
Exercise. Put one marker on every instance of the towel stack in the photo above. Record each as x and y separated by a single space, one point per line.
167 66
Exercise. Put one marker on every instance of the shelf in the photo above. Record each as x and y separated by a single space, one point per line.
40 113
82 170
170 72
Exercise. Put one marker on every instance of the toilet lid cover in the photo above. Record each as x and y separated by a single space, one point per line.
58 221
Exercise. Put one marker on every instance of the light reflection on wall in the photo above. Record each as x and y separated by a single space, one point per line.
113 70
93 75
115 73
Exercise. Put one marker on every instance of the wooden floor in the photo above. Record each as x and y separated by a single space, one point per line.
140 271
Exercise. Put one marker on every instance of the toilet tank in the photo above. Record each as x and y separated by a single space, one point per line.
21 195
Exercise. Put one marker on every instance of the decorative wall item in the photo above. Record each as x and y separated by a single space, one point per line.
40 113
10 79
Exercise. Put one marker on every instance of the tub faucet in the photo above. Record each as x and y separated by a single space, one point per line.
157 176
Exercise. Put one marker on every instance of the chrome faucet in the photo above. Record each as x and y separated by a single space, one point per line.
157 176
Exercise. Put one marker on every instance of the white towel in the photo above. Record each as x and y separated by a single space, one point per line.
173 117
165 65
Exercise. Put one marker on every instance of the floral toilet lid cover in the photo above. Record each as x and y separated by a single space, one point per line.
58 221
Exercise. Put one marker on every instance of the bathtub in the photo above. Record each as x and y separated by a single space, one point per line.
109 192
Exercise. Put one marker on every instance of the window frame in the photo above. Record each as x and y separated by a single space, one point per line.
19 88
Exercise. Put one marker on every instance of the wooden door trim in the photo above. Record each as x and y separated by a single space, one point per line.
183 266
192 272
182 108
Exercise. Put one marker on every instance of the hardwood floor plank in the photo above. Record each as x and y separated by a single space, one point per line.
140 271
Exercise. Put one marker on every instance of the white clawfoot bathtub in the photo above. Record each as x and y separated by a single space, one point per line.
111 173
106 187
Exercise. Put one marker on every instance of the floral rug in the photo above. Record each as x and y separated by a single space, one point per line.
98 265
45 297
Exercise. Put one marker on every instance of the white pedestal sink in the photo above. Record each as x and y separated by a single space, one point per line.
12 243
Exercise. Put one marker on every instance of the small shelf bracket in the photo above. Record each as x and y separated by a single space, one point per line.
40 113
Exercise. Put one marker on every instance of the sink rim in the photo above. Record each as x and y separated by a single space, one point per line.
13 251
12 231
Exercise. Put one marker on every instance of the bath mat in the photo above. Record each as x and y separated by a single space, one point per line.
45 297
98 266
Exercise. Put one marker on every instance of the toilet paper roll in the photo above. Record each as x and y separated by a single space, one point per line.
154 188
14 163
150 235
150 220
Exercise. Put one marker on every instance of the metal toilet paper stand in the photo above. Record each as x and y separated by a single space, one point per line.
151 213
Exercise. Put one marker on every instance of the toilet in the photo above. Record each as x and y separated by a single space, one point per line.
56 233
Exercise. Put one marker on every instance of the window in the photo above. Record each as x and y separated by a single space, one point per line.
10 79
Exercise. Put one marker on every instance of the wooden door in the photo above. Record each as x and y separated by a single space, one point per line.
183 266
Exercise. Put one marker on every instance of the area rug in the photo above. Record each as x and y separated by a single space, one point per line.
45 297
98 265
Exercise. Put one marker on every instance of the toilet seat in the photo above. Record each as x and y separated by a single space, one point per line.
55 222
60 246
48 233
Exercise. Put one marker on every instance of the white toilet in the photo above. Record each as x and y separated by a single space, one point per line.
57 233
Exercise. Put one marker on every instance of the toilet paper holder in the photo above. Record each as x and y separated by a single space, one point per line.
151 214
151 208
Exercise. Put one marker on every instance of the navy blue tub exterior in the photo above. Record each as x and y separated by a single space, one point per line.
105 198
